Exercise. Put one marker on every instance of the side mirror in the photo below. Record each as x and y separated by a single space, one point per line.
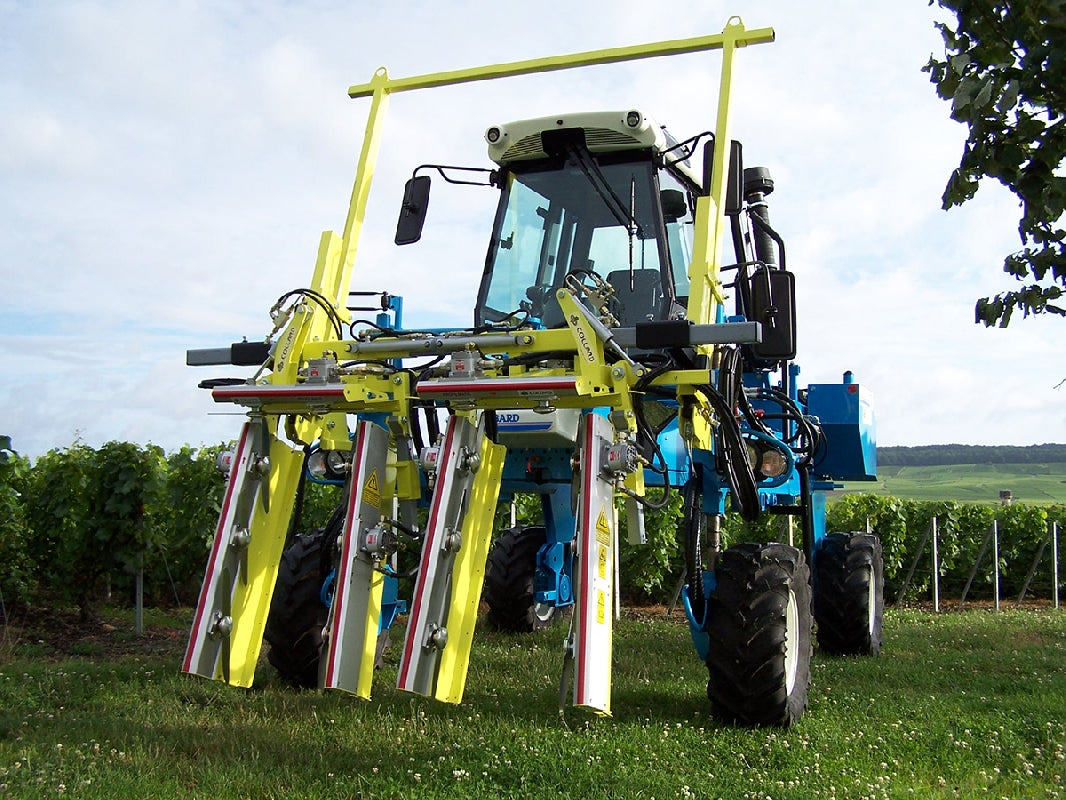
413 210
771 300
734 187
734 190
674 204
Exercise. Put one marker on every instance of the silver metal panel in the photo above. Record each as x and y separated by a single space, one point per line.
426 628
348 647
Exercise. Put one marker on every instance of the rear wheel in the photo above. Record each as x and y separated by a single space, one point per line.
759 626
849 599
297 614
509 591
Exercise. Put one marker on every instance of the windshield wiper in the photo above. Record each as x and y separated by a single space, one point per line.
591 170
626 217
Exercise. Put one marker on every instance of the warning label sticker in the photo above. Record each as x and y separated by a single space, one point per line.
602 562
603 529
372 490
601 605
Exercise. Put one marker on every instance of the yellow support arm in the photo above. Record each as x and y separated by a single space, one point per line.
704 271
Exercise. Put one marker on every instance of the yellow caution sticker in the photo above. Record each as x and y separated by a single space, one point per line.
603 562
601 606
372 490
603 529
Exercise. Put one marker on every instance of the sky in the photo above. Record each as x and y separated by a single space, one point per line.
167 169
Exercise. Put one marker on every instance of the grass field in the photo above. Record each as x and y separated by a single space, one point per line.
971 483
959 705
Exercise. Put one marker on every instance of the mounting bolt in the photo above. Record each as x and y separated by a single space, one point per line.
221 626
240 539
469 461
453 540
438 637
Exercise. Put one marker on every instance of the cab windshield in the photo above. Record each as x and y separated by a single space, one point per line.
557 220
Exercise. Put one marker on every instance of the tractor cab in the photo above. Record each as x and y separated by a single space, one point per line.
591 197
587 197
602 198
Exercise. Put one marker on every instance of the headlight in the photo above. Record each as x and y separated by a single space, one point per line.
767 461
773 463
753 454
331 465
316 464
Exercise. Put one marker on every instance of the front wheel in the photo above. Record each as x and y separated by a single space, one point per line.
509 591
297 613
759 627
849 597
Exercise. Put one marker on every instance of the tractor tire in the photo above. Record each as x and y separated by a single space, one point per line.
508 589
297 615
849 596
759 623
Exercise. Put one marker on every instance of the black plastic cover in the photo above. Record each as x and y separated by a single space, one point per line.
248 354
663 333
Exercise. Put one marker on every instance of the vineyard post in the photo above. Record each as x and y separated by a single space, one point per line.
995 561
914 564
936 571
138 619
1055 560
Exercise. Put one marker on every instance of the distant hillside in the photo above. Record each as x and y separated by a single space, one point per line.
952 454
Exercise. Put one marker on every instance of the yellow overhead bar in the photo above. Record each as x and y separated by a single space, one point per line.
734 35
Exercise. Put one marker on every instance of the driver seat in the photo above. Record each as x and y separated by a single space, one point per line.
640 303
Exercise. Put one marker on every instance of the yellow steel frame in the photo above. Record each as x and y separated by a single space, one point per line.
307 333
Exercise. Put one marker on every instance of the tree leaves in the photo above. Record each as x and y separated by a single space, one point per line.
1002 70
1008 98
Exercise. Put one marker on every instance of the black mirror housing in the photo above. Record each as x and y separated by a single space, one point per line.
413 210
734 194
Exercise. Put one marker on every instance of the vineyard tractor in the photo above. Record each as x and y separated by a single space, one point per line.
614 349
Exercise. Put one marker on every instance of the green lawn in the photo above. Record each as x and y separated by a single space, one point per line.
959 705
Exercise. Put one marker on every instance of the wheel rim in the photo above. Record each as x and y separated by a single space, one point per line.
791 642
543 612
